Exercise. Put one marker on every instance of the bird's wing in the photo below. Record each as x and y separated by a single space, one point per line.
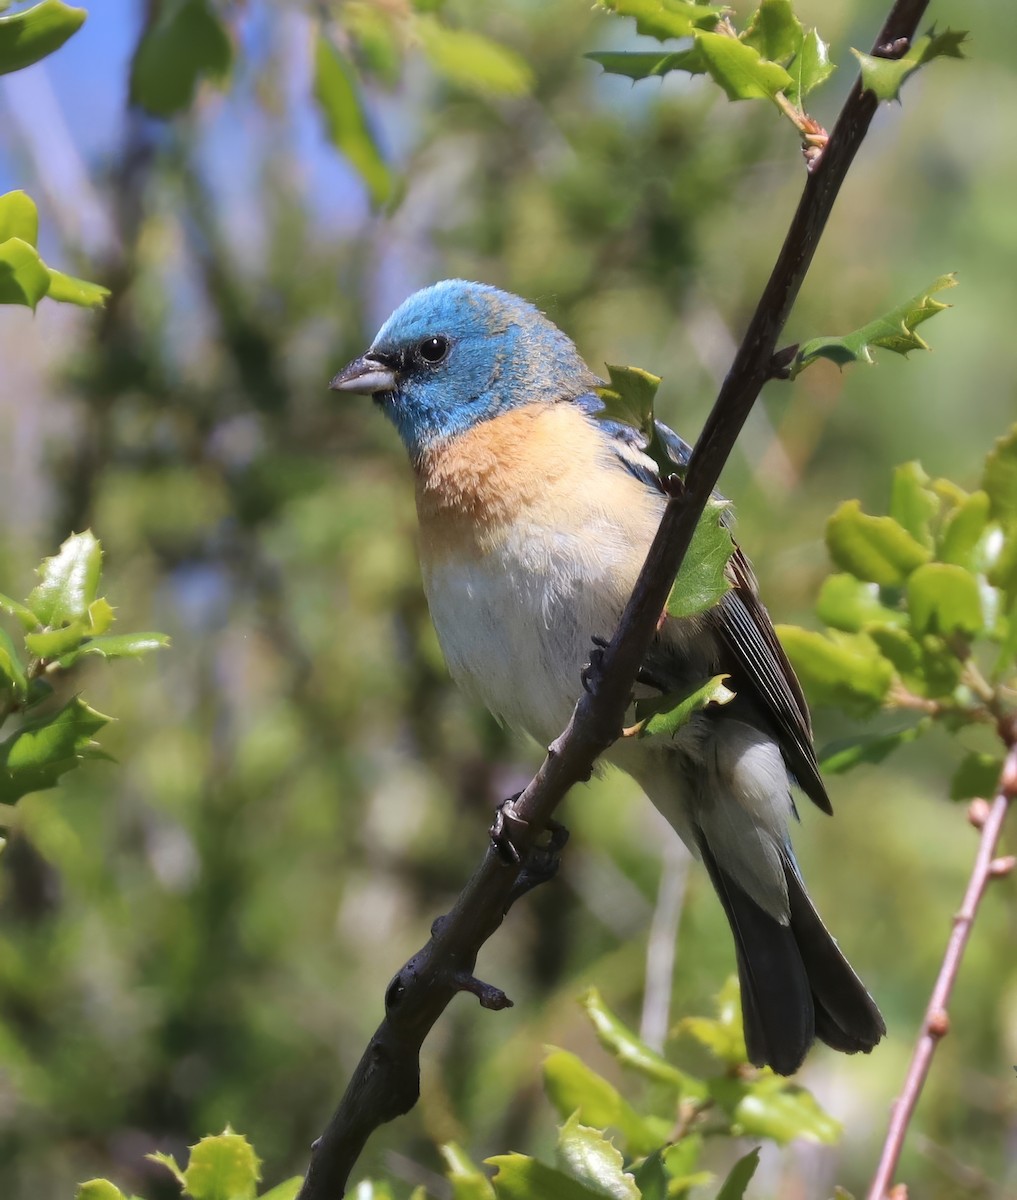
740 620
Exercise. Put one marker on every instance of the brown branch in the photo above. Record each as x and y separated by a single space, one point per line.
936 1023
385 1083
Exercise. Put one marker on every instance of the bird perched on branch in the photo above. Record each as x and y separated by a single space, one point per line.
535 518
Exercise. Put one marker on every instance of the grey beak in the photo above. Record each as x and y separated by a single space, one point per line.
367 375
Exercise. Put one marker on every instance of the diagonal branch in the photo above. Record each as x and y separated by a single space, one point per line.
385 1083
936 1022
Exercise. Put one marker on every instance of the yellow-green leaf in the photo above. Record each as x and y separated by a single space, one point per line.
472 61
885 76
24 278
32 34
185 44
19 218
877 549
665 19
841 670
740 70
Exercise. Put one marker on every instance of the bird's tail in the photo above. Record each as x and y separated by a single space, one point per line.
796 985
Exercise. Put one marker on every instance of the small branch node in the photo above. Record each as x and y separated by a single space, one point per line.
999 868
978 812
895 49
673 485
780 363
488 995
938 1024
898 1192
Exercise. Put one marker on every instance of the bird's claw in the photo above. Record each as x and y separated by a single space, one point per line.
541 862
593 666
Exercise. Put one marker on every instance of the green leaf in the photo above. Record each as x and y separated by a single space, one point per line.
876 549
521 1178
841 756
926 665
19 218
893 331
739 1177
842 670
24 278
69 581
52 643
590 1158
702 580
32 34
740 70
468 1181
963 530
977 775
11 668
1002 569
185 44
852 604
681 1161
573 1087
638 64
221 1167
630 1051
651 1177
24 614
771 1107
34 757
665 19
885 76
473 62
944 599
722 1035
69 290
1000 478
810 67
289 1189
117 645
774 31
629 397
663 716
912 503
336 94
98 1189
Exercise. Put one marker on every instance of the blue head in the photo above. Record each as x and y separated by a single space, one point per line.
457 353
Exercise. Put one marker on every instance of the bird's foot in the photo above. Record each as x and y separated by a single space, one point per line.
539 862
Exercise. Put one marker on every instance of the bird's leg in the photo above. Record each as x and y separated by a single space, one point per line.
540 862
597 653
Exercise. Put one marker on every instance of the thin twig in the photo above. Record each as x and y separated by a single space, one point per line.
385 1083
936 1023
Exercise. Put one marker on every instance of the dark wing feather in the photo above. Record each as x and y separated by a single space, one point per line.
741 620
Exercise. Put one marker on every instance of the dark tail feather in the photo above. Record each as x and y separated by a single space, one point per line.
795 983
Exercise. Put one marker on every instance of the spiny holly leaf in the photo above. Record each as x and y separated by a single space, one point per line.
740 69
117 645
629 397
34 758
665 19
69 581
895 331
347 126
619 1041
574 1088
885 76
32 34
185 44
637 64
963 530
98 1189
702 580
519 1177
473 62
588 1156
721 1035
19 218
809 68
774 31
1000 478
468 1181
681 1160
773 1108
877 549
223 1167
24 278
663 716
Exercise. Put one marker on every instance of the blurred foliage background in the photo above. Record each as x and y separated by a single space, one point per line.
203 933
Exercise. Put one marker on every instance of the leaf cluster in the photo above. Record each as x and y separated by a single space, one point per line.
63 619
921 614
605 1145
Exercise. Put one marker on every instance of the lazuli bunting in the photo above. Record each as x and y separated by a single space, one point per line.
535 518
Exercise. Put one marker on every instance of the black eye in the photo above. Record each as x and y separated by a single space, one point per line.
433 349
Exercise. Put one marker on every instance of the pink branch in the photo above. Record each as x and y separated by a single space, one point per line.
936 1023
